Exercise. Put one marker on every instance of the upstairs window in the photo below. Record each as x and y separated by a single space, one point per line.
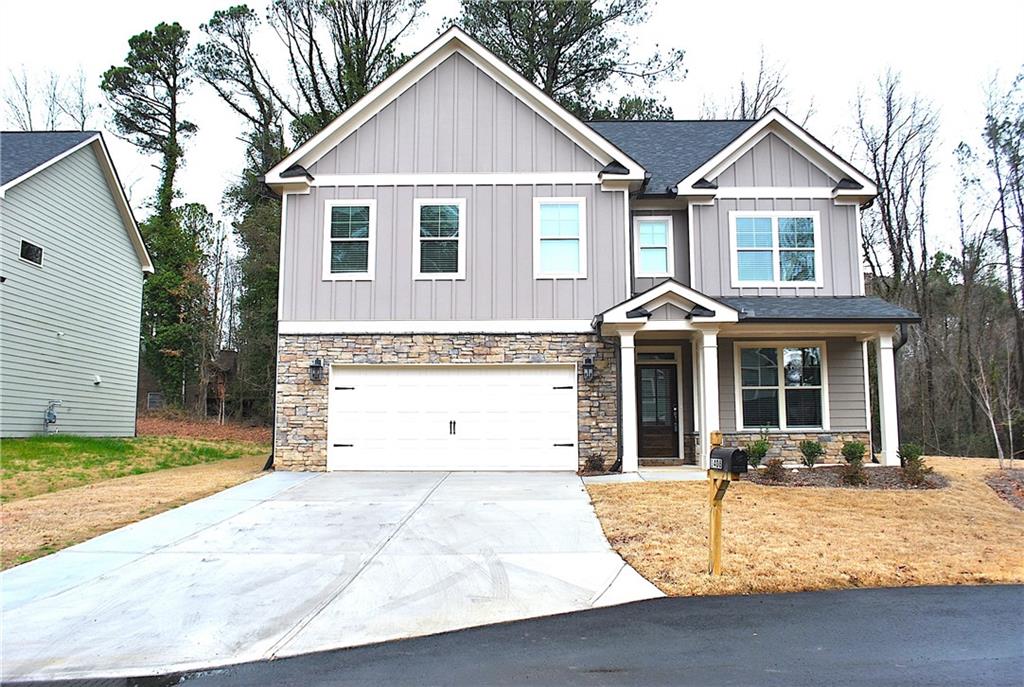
560 238
781 387
349 239
775 249
439 249
653 246
30 252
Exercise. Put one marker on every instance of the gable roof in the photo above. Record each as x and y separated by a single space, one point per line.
23 151
291 170
26 153
819 309
671 150
852 182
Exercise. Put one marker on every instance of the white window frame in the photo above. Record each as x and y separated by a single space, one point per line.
670 264
416 239
738 346
537 203
42 261
776 250
371 249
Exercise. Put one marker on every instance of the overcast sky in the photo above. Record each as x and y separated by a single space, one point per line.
829 51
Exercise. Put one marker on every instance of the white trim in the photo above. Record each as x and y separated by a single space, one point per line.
460 273
867 394
777 123
42 257
626 244
434 327
628 411
582 239
682 294
280 256
755 192
451 41
124 208
670 262
776 249
888 410
860 252
371 248
457 179
781 387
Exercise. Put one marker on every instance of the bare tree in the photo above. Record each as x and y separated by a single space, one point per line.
74 102
752 99
20 100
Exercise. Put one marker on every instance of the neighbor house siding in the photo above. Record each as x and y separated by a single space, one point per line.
680 246
844 359
773 162
456 119
840 252
499 283
75 317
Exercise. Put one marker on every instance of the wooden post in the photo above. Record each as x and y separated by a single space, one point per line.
718 482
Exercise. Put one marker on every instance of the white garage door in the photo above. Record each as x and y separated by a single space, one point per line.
452 417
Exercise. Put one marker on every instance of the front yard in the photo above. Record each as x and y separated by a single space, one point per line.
59 490
784 539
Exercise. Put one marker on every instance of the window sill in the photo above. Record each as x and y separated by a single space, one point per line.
559 276
787 430
777 285
439 277
348 277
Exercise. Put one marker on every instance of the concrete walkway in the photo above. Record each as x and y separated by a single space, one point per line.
296 562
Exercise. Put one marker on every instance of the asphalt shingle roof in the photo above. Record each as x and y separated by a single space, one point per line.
818 309
671 150
23 151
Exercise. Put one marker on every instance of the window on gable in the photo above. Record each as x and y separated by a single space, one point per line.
788 397
349 240
32 253
654 247
439 251
560 246
775 249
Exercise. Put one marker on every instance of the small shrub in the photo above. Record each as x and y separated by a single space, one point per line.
853 471
915 471
773 470
853 451
758 449
811 451
593 464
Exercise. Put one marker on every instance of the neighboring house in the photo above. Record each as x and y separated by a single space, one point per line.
72 263
490 283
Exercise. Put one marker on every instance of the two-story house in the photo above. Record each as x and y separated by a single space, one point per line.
472 278
72 263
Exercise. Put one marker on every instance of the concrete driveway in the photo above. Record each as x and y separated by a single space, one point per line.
297 562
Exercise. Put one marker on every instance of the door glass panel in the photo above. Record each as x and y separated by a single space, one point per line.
655 396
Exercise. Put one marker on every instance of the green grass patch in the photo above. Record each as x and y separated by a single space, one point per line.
37 465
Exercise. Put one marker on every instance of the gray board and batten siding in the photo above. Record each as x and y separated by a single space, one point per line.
76 316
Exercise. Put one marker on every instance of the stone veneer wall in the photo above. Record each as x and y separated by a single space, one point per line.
301 425
786 445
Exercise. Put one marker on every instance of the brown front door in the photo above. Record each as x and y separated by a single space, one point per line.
657 411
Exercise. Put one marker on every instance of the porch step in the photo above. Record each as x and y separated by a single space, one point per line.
662 462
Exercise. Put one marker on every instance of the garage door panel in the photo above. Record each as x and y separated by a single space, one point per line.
506 417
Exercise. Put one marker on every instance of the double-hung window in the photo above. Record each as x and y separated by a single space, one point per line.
349 235
782 387
439 251
775 249
652 238
560 238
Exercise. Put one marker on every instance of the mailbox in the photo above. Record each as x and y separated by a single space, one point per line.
732 460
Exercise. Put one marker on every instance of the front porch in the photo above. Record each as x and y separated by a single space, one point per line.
691 365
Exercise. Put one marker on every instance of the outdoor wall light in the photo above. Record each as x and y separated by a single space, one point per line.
316 370
589 371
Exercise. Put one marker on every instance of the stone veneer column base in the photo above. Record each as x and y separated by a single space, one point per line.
300 432
786 445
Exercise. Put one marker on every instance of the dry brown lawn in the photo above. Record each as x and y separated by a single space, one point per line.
36 526
802 538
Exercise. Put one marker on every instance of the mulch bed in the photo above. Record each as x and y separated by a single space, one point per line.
832 476
1009 484
166 425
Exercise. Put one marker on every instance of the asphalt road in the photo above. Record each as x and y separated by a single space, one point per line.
917 636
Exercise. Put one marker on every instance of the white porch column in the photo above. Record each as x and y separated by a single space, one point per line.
627 375
887 410
708 343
